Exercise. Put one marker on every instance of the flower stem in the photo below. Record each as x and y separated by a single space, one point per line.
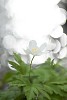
30 68
31 62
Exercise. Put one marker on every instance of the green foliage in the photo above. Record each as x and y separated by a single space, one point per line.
47 81
19 65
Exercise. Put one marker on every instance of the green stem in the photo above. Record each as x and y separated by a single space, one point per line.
31 62
31 68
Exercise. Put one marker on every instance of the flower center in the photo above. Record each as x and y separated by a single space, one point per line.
34 50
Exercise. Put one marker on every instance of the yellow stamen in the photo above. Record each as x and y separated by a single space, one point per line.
34 50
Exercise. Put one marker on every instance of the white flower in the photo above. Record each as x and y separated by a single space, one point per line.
34 49
63 15
63 40
57 32
59 47
63 53
54 45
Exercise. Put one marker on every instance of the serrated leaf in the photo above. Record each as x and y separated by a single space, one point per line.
41 90
19 65
59 82
63 87
21 69
48 89
29 92
16 66
57 90
44 94
17 58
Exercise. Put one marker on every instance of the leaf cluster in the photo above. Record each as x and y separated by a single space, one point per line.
47 81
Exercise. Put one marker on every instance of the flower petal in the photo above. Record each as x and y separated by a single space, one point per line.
43 46
58 47
62 53
51 45
27 51
63 15
32 44
57 32
63 40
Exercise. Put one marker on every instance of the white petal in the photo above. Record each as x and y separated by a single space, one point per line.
39 54
9 42
63 40
51 45
62 53
43 46
62 16
57 32
27 51
32 44
58 47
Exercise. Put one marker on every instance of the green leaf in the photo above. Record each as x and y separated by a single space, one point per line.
9 94
19 65
48 89
63 87
57 90
44 94
41 91
16 66
22 69
61 82
17 57
7 76
29 92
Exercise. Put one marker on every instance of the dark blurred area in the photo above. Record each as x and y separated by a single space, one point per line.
63 4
